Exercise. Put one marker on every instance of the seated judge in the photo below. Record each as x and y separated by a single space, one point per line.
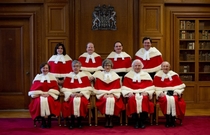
76 89
60 63
169 88
44 92
120 59
90 60
108 92
138 88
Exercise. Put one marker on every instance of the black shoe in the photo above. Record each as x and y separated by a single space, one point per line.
167 125
173 121
49 122
80 126
142 126
107 121
71 126
167 121
43 125
107 124
110 122
136 125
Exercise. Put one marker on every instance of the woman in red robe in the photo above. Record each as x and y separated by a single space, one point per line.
60 63
108 92
44 92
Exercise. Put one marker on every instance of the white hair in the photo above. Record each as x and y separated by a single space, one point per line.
137 60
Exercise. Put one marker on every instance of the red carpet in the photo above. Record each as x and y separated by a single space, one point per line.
24 126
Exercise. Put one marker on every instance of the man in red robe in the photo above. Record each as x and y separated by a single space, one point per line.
169 88
150 57
138 88
90 60
44 92
76 89
121 60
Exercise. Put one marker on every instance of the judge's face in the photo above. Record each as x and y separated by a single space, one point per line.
45 69
60 50
107 67
147 44
137 67
118 47
76 68
90 48
165 67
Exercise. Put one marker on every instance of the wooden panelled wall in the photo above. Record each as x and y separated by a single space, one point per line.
70 22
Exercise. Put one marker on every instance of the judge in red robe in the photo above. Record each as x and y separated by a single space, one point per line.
150 57
90 60
76 89
121 60
44 92
60 63
169 88
138 87
108 92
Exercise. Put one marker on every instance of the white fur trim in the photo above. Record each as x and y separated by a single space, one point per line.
110 103
150 90
113 54
44 106
77 102
66 57
171 108
152 52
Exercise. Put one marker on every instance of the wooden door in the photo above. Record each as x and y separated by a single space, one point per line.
14 63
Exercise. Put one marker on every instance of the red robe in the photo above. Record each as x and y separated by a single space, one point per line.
154 62
145 84
120 64
108 87
61 68
38 87
72 85
90 65
175 84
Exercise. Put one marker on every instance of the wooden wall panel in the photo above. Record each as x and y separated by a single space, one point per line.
151 25
190 93
56 19
204 94
103 39
151 19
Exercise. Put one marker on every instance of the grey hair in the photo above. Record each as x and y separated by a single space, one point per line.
76 62
166 62
137 60
107 61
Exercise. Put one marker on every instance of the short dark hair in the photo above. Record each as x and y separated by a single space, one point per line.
118 42
146 38
43 64
57 46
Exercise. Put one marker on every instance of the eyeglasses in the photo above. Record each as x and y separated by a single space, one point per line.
107 65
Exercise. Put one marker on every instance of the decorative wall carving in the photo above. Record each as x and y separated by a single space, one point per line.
104 18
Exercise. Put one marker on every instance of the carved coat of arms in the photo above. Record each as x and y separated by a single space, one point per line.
104 18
